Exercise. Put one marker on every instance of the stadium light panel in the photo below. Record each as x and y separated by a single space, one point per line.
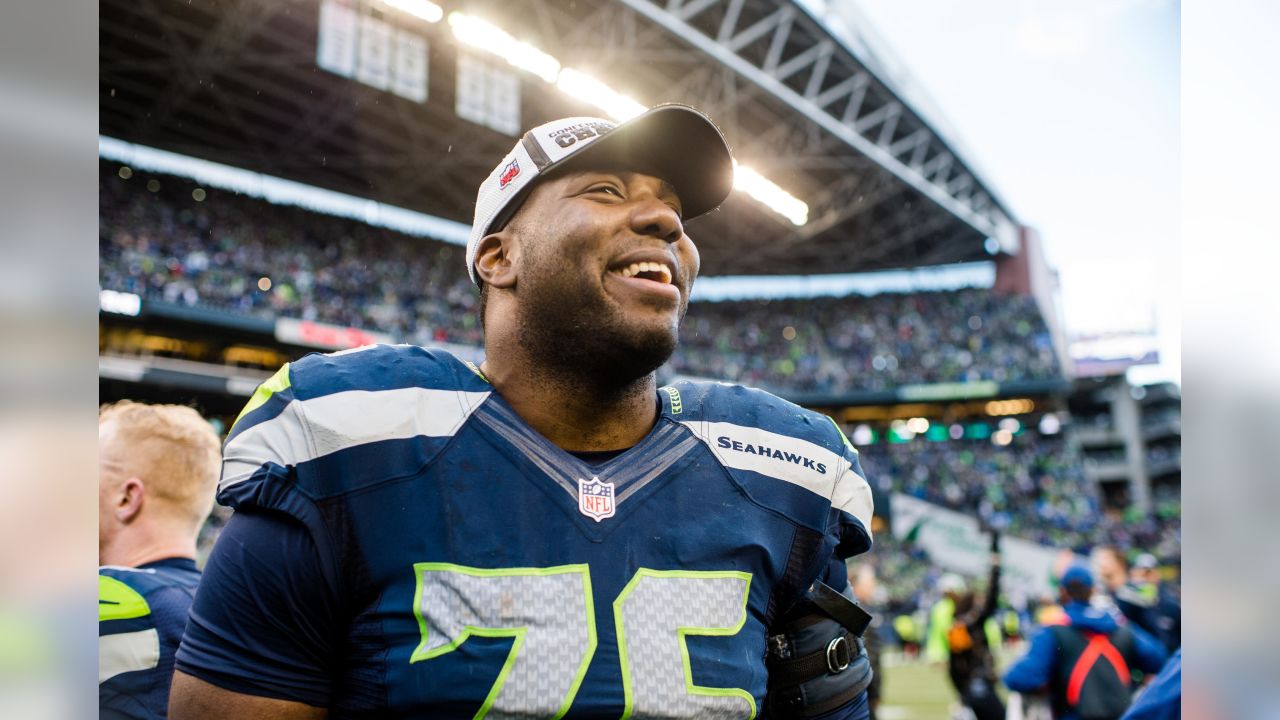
1050 424
900 432
422 9
582 86
485 36
773 197
1016 406
863 435
121 303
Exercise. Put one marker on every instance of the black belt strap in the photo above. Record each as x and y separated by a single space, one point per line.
834 657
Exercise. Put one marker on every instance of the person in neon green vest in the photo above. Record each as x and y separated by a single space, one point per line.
940 617
967 639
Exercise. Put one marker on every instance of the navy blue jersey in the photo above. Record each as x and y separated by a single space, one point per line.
141 614
407 546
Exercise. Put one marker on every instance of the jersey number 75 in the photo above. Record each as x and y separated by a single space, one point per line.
548 613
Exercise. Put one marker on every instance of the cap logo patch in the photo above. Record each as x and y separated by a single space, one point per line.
509 173
595 498
565 137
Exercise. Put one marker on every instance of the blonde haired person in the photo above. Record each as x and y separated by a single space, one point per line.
158 467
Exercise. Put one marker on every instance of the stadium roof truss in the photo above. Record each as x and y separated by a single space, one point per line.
787 53
236 82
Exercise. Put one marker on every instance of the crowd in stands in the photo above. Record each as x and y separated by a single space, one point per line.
1161 416
1034 486
836 344
1164 455
156 240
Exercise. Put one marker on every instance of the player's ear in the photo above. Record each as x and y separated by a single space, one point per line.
129 502
495 259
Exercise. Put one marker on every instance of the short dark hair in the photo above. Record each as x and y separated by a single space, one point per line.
484 301
1078 591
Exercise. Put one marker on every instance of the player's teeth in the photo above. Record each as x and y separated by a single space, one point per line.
636 268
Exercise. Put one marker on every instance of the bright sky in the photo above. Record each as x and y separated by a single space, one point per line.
1071 111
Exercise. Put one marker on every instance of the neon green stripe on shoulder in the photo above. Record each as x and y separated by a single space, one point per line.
118 601
476 370
274 384
842 436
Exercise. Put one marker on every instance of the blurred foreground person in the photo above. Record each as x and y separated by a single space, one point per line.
157 470
865 586
1162 700
970 663
1136 602
1085 664
1167 610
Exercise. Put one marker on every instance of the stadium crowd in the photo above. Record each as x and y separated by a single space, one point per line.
242 255
157 241
837 344
1034 486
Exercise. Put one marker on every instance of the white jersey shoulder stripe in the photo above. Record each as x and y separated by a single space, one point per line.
124 568
790 459
310 429
127 652
354 350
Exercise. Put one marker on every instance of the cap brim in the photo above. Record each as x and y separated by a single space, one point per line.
675 143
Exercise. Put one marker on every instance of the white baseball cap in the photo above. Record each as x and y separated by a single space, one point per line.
673 142
951 582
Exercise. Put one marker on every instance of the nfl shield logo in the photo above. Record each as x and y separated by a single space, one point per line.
595 498
509 173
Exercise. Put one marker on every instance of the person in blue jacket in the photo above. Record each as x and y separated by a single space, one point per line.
1050 663
1162 700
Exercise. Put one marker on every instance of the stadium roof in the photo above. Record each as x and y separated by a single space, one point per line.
238 83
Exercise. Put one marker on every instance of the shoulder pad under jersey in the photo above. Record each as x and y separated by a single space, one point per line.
782 454
329 424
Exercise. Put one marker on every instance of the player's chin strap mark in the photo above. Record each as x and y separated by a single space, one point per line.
817 663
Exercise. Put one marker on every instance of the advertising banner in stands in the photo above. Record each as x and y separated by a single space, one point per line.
324 336
955 541
1110 354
